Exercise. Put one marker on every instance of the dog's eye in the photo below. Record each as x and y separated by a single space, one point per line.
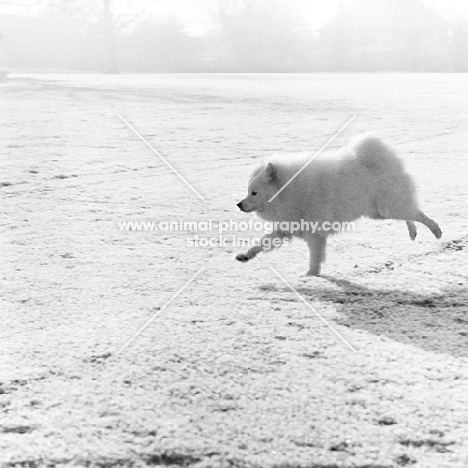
254 193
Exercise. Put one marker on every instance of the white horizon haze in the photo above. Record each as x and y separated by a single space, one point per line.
197 20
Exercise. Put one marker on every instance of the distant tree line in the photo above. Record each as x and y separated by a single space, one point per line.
117 36
460 46
253 35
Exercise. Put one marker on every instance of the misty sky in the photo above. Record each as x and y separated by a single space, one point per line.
315 12
197 19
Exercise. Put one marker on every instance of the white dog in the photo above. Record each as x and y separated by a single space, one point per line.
364 179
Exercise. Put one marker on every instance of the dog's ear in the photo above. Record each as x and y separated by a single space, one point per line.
271 171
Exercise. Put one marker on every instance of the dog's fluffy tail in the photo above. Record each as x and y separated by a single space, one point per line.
375 155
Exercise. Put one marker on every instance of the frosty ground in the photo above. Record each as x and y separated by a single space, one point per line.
236 371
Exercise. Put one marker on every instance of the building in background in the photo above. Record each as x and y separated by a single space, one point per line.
384 35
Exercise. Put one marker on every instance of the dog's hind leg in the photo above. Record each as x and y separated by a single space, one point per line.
317 246
410 214
420 217
411 229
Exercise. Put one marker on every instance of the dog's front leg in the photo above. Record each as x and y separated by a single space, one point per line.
267 242
317 245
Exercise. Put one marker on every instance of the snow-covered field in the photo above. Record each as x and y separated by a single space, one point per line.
236 371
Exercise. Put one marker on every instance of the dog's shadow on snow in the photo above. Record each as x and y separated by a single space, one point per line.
434 322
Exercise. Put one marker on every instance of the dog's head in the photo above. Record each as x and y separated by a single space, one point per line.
263 185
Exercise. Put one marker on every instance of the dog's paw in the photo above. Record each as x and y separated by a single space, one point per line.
242 257
412 234
313 273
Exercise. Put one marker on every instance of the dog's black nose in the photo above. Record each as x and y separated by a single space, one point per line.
239 205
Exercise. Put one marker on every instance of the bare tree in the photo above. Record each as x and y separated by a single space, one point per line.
159 46
261 35
107 18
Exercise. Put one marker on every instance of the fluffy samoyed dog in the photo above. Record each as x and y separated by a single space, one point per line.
295 193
